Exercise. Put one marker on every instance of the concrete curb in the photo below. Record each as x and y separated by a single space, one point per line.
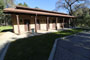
51 56
53 50
4 51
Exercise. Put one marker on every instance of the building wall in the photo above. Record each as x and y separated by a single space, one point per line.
58 26
32 23
42 21
14 22
50 26
21 23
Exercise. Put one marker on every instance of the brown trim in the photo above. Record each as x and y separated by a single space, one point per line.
47 23
56 23
22 11
36 23
17 17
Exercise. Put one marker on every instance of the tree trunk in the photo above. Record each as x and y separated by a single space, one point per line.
70 11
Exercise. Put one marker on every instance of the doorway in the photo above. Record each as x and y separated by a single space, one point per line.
27 23
38 24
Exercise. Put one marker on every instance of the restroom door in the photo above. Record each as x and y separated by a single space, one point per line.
27 23
38 24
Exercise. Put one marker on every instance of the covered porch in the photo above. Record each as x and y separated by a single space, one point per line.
25 19
41 23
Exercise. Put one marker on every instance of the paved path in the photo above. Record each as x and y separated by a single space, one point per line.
76 47
5 39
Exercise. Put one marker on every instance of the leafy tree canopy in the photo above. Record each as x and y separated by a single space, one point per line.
25 5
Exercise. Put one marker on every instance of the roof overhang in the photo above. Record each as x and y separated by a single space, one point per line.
35 12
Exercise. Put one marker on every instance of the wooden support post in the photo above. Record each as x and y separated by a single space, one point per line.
47 23
56 23
36 23
17 17
74 23
63 22
69 22
12 22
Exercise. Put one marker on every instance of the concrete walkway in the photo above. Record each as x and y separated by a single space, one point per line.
76 47
5 40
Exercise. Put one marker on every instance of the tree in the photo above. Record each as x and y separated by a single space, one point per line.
69 4
2 4
4 19
1 11
20 4
25 5
9 3
37 7
83 15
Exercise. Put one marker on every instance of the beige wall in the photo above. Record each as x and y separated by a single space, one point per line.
21 24
43 26
58 26
50 26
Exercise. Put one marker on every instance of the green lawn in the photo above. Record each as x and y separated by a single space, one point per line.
36 47
5 28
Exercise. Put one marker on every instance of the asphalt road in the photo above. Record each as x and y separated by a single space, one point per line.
75 47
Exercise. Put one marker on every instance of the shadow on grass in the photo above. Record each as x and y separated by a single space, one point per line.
35 47
7 30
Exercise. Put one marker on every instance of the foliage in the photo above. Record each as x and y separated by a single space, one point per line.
1 10
25 5
83 15
5 19
37 7
36 47
79 8
1 4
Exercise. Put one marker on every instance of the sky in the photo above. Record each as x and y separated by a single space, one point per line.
42 4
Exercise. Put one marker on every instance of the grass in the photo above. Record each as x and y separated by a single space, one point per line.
36 47
5 28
